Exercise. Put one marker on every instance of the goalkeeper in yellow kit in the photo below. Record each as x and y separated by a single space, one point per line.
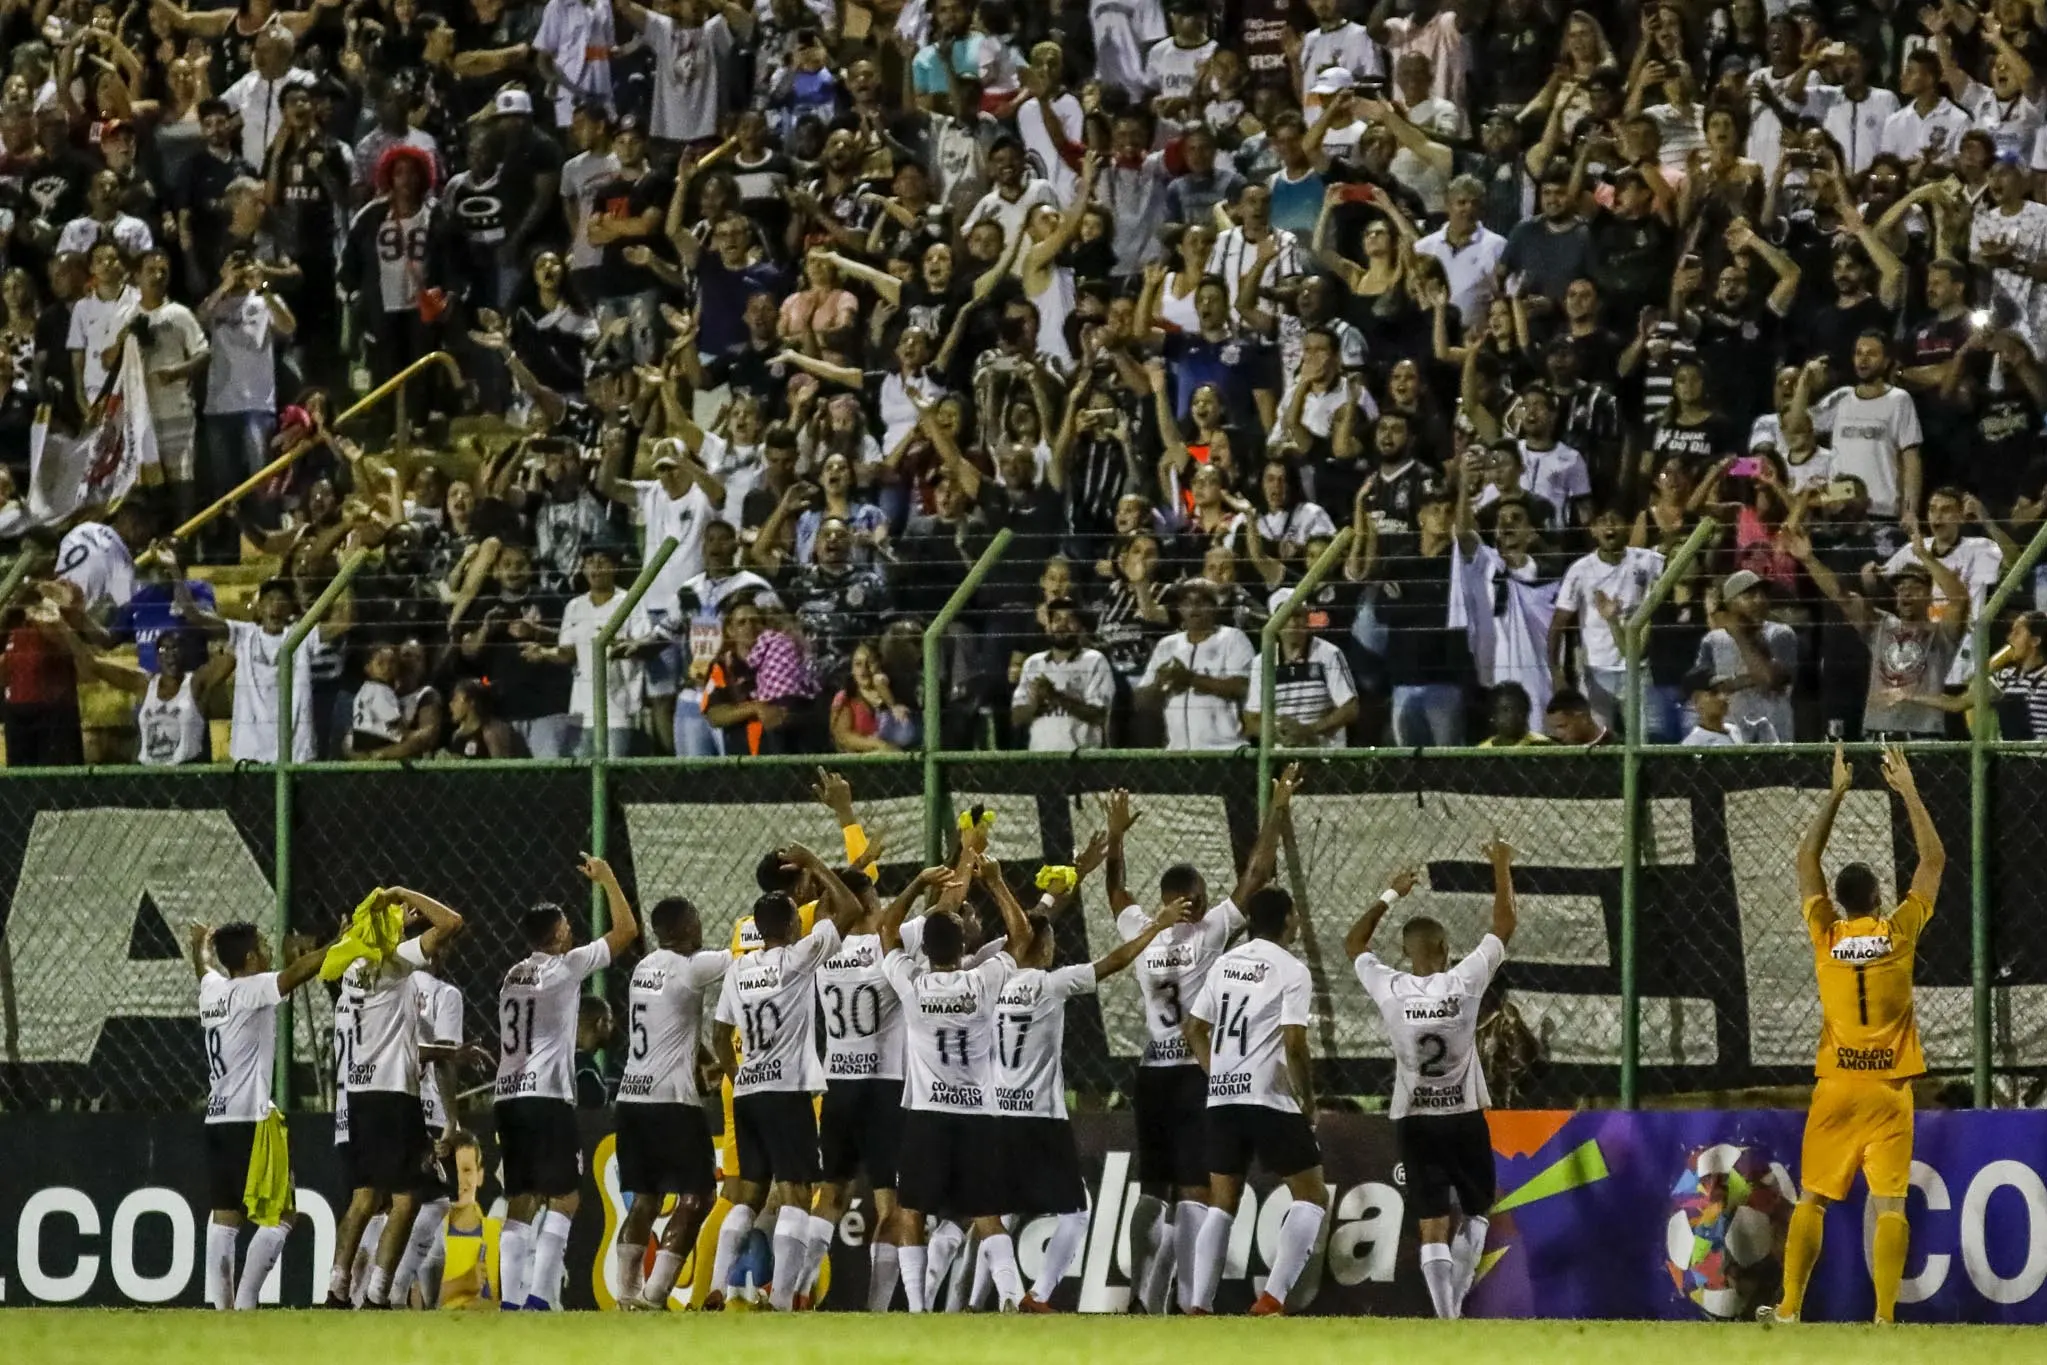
1861 1115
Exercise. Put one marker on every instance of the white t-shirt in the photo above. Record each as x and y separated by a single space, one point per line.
1255 991
1349 46
401 253
1306 691
260 105
950 1032
1196 720
580 174
994 208
1030 1034
440 1025
384 1042
1978 562
1471 268
1432 1022
1702 738
252 737
241 375
96 324
664 1020
1857 125
376 712
687 65
1086 675
578 35
1869 434
1170 973
859 1012
537 1007
1557 476
686 518
174 338
1039 150
239 1017
1169 69
1627 582
582 619
93 557
771 998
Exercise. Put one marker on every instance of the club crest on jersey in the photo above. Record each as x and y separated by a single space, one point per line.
946 1004
1861 948
1253 972
1160 959
1019 993
760 976
1420 1012
523 974
650 978
854 959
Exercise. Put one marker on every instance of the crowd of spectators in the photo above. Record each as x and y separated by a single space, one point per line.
831 293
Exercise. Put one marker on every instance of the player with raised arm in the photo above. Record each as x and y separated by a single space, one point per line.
1040 1157
238 999
441 1049
1861 1113
542 1149
1439 1090
770 997
388 1140
1171 1096
664 1140
1248 1031
951 1162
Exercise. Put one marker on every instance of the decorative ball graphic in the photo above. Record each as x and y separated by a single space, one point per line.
1724 1243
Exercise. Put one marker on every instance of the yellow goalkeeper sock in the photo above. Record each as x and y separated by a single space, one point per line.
1801 1254
707 1252
1887 1262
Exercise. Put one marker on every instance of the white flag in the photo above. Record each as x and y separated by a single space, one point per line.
103 463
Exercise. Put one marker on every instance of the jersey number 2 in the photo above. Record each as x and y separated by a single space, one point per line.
1433 1047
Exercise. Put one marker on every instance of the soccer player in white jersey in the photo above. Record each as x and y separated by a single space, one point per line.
238 1000
1171 1095
387 1129
771 998
440 1049
1248 1028
1439 1091
1039 1155
951 1158
664 1140
542 1151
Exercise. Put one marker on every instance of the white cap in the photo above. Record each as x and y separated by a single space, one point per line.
1334 80
514 102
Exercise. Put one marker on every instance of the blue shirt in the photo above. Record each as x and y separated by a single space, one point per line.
1232 365
148 614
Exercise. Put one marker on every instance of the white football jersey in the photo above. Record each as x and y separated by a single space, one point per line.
664 1021
440 1024
1170 972
1255 990
950 1032
1030 1034
383 1051
239 1015
1432 1022
537 1008
859 1012
771 998
344 1053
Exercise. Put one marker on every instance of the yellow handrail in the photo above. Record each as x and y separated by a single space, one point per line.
285 461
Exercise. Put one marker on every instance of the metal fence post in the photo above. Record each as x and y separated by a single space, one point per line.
933 700
600 744
1268 657
1633 638
287 672
1979 809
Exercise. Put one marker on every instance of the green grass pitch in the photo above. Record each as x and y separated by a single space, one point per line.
109 1337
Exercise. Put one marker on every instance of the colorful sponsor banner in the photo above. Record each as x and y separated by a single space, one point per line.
1599 1215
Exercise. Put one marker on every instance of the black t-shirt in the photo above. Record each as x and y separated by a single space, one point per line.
2005 444
523 689
202 190
1632 259
1698 444
1741 352
312 175
479 215
1396 497
621 197
1831 330
1414 605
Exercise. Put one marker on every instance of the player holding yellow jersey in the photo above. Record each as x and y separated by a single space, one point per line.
1861 1115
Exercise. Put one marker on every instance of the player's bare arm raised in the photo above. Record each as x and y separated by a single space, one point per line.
840 905
1013 918
1500 854
1123 954
1812 878
1932 853
1121 818
442 923
1359 939
624 929
1258 869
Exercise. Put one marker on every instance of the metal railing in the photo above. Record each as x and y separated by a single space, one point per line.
1268 657
934 688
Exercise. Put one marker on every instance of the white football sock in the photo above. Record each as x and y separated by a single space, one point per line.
1211 1248
960 1277
426 1235
731 1241
1146 1213
264 1249
1189 1216
792 1234
630 1264
220 1265
1158 1271
884 1268
661 1283
1067 1235
822 1230
550 1250
380 1286
1467 1248
1000 1253
338 1274
1297 1231
1440 1270
911 1261
984 1278
366 1257
515 1262
939 1250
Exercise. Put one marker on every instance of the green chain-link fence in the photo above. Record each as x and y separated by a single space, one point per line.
107 867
